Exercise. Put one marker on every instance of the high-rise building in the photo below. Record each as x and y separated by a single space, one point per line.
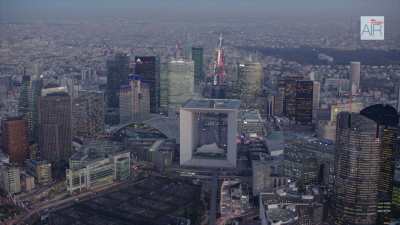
181 83
357 166
149 68
164 88
216 84
24 100
398 98
117 75
10 179
5 85
387 120
88 114
15 139
396 192
326 129
55 133
250 76
287 95
279 101
355 69
307 101
197 57
37 85
134 100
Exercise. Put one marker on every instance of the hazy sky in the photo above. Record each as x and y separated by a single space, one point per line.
10 9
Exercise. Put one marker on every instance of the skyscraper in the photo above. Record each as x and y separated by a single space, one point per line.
355 77
250 76
88 113
287 95
25 99
134 100
149 68
15 139
181 83
307 101
197 57
117 75
164 87
357 166
37 85
5 85
398 98
396 192
216 87
55 136
387 120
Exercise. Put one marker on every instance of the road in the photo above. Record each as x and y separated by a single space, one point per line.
213 199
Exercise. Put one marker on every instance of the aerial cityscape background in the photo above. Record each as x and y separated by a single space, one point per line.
211 112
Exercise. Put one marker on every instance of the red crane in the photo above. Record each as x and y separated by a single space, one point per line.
219 64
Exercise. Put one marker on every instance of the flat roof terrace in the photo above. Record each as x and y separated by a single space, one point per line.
155 201
212 104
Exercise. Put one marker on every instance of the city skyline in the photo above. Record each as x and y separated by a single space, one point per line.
213 112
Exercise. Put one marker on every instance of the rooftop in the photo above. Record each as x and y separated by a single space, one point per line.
212 104
151 201
250 115
281 215
54 91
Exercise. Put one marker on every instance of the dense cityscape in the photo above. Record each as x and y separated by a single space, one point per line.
199 116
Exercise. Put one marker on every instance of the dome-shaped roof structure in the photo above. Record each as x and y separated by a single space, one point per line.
381 114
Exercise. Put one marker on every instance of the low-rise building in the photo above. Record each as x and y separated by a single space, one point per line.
265 178
96 165
160 152
40 170
27 182
250 124
276 143
288 206
10 179
319 157
234 198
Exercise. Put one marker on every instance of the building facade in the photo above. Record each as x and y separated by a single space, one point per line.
37 86
10 179
85 173
386 117
55 132
198 59
164 88
15 139
40 170
287 88
307 101
149 68
250 78
181 82
357 165
208 130
134 100
355 74
88 113
117 75
25 99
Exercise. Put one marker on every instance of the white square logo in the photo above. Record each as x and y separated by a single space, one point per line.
372 28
